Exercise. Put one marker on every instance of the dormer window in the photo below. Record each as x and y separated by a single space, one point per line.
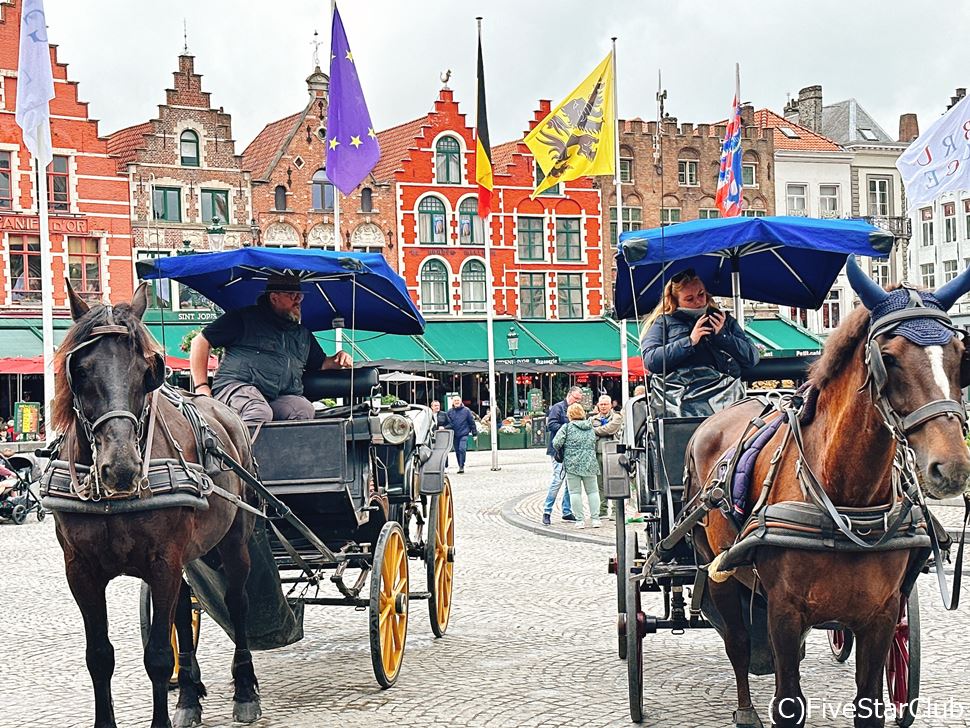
189 148
869 135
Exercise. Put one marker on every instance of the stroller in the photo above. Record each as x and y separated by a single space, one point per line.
17 500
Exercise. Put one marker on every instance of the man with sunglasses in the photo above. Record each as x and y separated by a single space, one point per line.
267 351
697 349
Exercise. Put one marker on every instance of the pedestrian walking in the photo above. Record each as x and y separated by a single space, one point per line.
463 424
578 443
607 423
554 421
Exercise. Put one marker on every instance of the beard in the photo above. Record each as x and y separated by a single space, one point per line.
293 315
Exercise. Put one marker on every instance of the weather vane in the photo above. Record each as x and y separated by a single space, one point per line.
316 43
185 35
445 76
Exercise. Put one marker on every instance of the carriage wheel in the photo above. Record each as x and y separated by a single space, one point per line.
621 572
145 610
903 662
388 619
634 638
439 558
19 514
840 642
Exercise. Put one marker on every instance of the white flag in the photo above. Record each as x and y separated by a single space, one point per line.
938 160
35 82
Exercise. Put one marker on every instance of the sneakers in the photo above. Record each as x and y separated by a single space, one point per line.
579 524
546 520
461 471
569 517
597 523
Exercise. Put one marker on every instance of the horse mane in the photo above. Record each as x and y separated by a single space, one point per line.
140 343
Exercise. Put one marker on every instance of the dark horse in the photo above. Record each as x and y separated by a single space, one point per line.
851 450
107 369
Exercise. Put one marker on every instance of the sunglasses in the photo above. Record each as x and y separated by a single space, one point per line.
292 295
684 275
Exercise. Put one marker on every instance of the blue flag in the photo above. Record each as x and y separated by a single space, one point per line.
352 148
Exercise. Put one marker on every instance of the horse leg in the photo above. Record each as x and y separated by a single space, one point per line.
158 652
100 655
872 647
727 598
785 629
191 689
234 550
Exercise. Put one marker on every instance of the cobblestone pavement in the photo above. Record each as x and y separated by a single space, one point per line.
531 641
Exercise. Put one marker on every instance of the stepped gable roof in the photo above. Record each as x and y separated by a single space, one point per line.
261 154
395 143
807 141
125 143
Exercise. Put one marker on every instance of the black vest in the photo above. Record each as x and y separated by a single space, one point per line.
271 354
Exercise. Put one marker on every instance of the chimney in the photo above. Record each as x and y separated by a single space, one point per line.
908 128
961 92
791 110
747 115
810 108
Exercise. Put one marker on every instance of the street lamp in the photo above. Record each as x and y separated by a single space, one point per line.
254 229
217 235
512 339
186 248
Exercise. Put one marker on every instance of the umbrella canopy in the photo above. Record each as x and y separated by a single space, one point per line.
404 377
352 290
790 261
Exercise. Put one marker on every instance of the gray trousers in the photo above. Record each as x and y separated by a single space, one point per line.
253 407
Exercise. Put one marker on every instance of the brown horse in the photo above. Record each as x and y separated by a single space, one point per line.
850 449
107 367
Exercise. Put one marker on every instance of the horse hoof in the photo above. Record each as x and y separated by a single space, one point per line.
747 718
187 717
246 712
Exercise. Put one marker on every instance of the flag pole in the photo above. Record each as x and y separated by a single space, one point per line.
735 273
489 316
338 333
46 295
624 344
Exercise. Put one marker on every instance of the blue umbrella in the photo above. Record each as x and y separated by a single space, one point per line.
790 261
352 290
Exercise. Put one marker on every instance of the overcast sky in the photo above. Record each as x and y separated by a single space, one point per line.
892 56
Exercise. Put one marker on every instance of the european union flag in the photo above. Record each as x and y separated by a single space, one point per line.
352 148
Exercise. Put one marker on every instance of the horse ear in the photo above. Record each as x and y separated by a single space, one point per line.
949 292
155 376
869 292
78 306
139 302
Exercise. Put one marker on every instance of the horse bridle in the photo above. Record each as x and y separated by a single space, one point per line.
93 482
877 378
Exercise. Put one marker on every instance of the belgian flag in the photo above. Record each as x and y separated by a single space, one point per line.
483 150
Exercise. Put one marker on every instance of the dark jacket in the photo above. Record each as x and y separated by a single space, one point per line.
554 420
269 353
441 420
461 421
729 351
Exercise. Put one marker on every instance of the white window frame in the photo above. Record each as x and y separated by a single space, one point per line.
950 270
949 222
926 227
754 174
823 210
790 195
687 172
927 275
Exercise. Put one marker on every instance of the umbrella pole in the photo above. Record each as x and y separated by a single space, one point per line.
736 294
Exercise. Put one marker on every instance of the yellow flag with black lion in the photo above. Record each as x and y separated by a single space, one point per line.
578 139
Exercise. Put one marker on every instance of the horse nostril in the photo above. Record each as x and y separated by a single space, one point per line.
948 473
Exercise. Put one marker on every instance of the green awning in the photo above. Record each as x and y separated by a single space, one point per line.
23 337
580 341
172 335
370 346
782 337
464 341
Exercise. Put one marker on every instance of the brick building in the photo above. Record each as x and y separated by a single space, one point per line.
682 186
185 179
88 203
293 201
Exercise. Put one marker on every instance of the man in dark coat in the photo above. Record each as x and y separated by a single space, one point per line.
554 421
463 424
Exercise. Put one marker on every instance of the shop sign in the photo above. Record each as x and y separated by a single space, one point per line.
26 418
31 224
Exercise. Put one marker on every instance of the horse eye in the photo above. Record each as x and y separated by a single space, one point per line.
889 360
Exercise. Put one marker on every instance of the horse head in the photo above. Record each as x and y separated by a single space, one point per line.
109 366
917 367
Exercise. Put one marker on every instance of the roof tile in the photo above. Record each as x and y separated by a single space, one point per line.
262 150
808 140
395 143
125 143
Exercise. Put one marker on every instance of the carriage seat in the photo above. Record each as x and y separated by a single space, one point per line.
334 383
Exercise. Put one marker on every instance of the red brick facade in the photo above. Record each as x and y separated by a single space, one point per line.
89 218
546 254
186 160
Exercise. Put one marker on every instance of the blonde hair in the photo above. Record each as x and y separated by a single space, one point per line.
668 302
576 412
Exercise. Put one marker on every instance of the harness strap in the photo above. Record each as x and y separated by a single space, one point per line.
948 407
125 414
952 600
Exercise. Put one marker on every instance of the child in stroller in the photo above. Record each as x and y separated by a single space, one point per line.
17 499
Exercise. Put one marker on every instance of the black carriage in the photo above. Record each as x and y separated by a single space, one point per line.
349 497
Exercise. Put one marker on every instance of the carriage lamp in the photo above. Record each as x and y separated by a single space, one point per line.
216 235
512 339
396 429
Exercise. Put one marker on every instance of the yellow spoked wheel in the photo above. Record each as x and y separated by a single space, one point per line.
145 608
389 604
439 558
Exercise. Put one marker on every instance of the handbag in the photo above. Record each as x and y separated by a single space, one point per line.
559 453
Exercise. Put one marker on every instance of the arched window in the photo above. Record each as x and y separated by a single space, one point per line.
470 230
434 287
473 287
189 148
367 200
279 198
322 193
431 221
448 160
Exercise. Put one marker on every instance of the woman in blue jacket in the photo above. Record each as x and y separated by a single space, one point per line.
696 349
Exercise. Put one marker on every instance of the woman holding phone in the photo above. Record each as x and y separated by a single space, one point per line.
694 352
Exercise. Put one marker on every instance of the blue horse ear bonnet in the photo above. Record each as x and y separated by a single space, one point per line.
922 332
